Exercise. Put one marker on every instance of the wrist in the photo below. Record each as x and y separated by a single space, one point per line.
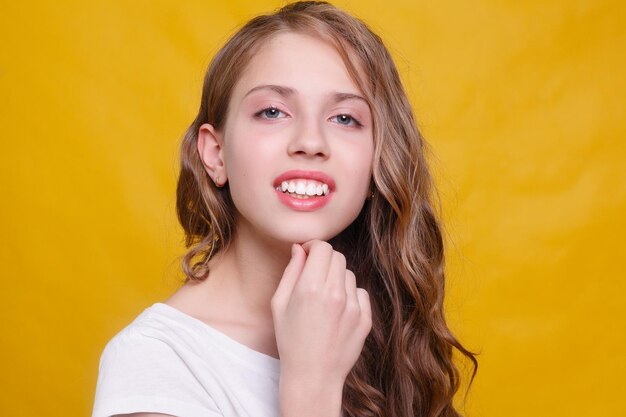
303 396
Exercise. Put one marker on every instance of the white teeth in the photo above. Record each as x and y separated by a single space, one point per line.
303 187
300 188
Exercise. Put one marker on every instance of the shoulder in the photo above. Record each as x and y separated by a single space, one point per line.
154 347
142 345
138 341
142 370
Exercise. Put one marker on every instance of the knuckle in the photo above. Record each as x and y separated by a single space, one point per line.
352 309
341 258
275 303
320 248
364 300
336 297
322 245
325 245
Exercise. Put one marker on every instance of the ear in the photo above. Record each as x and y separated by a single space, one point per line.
210 148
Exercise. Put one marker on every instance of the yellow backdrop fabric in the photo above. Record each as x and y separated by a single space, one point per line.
522 103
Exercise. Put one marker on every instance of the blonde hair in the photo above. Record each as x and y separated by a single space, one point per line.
394 247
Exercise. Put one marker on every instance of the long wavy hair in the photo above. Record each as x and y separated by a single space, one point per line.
394 247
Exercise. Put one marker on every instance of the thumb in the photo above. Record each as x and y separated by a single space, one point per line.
290 276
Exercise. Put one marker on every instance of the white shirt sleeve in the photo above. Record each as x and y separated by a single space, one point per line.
140 373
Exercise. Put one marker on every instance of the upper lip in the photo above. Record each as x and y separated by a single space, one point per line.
306 175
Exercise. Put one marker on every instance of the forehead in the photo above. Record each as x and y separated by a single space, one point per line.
299 61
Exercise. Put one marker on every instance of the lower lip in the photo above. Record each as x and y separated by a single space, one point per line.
303 204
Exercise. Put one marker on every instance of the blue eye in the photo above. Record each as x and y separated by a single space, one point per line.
269 113
346 120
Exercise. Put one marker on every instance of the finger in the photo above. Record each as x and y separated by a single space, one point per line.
366 308
337 271
314 242
352 299
351 293
319 255
335 284
291 274
308 244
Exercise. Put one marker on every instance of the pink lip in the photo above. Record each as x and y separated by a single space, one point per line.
305 175
304 204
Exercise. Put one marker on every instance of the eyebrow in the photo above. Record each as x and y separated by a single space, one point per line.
288 91
339 97
282 90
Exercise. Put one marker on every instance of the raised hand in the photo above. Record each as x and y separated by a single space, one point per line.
321 320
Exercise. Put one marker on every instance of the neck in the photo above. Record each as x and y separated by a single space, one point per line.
248 272
236 296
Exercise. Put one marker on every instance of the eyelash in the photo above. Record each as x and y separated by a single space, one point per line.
350 117
262 114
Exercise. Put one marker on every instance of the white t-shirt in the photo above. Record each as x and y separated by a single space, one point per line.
168 362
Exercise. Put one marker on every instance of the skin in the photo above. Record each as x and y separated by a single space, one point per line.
280 288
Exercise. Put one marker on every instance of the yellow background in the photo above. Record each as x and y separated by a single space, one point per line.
522 102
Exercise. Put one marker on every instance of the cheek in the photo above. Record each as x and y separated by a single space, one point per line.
362 163
239 152
249 161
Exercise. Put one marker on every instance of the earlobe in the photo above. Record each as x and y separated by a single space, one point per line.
210 151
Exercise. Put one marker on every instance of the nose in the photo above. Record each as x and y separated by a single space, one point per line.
308 140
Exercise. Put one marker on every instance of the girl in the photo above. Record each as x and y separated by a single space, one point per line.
304 196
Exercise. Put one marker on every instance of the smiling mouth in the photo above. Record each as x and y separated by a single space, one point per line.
303 188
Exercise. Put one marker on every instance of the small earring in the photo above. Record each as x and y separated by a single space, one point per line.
369 197
217 182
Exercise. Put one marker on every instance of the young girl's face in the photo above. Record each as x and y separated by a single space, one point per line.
296 120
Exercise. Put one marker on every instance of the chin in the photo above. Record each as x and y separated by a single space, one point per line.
301 236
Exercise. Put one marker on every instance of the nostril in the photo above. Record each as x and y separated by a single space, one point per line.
319 154
309 142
